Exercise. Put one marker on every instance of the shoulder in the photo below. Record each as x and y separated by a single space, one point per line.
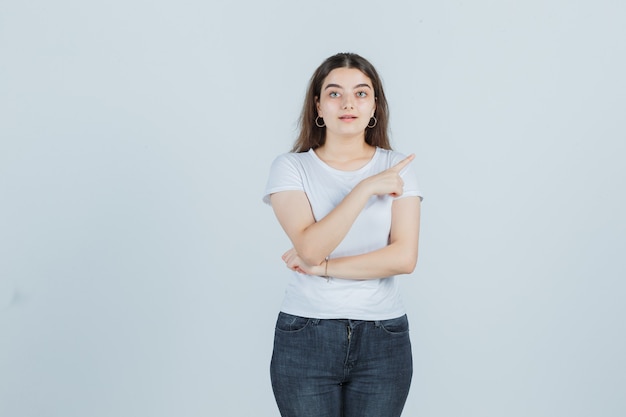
390 157
286 173
291 164
290 158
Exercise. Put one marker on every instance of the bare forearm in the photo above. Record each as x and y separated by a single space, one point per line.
320 238
388 261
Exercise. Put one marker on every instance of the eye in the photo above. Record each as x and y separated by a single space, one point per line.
361 94
334 94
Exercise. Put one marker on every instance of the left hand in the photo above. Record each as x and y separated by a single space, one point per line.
295 263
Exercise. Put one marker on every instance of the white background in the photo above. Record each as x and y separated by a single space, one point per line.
140 273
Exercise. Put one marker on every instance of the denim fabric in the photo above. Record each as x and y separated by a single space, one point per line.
341 368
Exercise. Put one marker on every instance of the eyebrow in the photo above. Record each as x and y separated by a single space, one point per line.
338 86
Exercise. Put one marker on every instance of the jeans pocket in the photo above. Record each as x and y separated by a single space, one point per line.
290 323
399 325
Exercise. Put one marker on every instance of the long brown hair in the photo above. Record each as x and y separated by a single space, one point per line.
311 136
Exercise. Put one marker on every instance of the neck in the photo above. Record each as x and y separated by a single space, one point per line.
344 149
346 155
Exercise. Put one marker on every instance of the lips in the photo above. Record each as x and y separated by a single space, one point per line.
347 117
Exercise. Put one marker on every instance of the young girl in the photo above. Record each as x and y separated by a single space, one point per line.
351 208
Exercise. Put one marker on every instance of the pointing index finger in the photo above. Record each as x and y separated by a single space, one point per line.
406 161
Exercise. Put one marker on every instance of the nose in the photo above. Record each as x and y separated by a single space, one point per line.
347 102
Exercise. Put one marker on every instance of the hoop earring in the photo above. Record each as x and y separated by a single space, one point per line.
375 122
317 124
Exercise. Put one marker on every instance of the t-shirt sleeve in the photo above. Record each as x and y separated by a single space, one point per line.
409 176
284 176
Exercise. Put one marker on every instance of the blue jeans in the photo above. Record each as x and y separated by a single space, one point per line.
341 368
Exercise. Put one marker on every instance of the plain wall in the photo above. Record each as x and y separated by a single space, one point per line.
140 273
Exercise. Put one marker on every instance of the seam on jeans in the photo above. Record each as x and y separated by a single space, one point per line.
296 330
295 318
391 332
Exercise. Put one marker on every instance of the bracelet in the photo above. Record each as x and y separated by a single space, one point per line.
326 269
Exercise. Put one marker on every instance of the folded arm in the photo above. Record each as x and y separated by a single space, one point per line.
314 241
399 257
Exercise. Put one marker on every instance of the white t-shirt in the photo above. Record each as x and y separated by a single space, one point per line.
326 187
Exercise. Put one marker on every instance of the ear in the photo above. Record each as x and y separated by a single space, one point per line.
374 109
317 106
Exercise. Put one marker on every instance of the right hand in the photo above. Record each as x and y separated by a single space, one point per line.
295 263
388 181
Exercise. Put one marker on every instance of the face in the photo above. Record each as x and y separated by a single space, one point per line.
346 102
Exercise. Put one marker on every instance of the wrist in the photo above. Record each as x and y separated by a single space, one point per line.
363 189
317 270
326 260
323 269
